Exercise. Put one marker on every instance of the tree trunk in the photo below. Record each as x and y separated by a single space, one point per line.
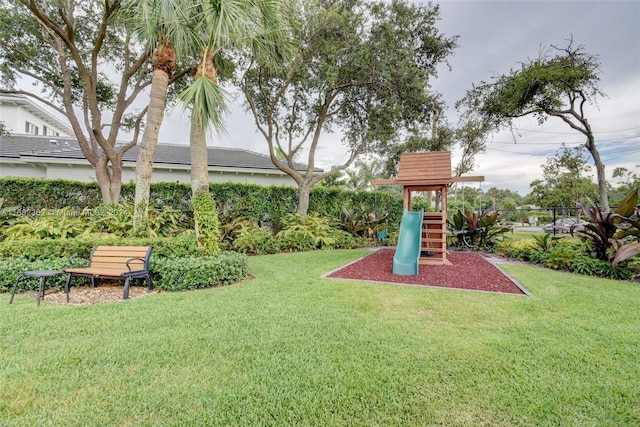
104 180
116 182
600 174
199 159
304 191
109 180
164 64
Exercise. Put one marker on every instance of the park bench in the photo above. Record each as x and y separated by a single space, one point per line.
115 263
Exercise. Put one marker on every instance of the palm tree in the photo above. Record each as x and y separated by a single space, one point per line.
257 25
164 26
179 28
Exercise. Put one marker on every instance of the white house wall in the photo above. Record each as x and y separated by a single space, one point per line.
86 173
15 111
21 170
9 115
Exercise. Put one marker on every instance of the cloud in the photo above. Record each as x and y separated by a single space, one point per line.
494 37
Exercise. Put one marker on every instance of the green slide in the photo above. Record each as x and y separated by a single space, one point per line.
405 260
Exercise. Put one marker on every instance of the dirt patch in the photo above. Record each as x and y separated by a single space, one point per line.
468 271
86 295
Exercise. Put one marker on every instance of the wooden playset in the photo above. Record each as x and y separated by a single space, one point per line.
430 171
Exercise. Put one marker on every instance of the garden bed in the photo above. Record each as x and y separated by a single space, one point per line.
468 270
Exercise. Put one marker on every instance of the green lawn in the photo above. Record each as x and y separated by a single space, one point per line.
290 348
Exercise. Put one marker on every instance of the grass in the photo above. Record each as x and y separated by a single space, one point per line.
290 348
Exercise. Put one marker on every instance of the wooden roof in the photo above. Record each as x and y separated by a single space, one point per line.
425 169
432 167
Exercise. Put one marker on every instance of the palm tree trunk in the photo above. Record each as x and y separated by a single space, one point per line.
164 64
199 159
198 140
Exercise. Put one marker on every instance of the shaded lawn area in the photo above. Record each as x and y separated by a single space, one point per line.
291 348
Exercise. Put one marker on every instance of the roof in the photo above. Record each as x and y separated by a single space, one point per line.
431 167
60 148
425 170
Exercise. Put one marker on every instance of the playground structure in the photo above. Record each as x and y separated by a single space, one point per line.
425 241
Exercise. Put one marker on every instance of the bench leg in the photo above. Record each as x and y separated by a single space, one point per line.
149 284
125 293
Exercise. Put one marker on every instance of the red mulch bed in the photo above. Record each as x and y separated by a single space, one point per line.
468 271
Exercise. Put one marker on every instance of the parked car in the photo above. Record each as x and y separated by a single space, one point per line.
564 225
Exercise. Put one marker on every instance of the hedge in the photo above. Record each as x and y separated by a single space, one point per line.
266 205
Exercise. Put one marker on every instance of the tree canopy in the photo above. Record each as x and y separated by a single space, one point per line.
560 85
87 66
358 66
565 181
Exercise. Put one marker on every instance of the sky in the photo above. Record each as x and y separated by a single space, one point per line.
494 37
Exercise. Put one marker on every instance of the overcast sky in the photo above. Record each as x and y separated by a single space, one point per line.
495 36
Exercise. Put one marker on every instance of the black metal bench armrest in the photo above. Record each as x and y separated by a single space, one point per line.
136 259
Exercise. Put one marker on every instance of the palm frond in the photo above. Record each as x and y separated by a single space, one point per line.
209 103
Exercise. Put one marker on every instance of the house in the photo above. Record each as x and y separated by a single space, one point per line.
41 146
21 116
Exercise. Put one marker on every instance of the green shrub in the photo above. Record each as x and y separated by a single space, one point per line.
517 249
560 257
12 268
176 274
265 205
181 246
344 240
207 224
172 274
360 220
477 231
306 233
594 267
254 240
614 236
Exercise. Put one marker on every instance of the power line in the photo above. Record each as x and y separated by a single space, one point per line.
572 133
621 155
606 141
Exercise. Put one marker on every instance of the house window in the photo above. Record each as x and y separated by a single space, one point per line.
30 128
45 130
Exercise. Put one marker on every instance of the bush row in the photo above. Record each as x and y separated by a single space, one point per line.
265 205
568 254
170 274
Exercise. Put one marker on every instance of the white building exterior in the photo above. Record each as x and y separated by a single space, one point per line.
29 152
21 116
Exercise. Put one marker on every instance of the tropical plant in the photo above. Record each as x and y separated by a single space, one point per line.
164 26
257 28
304 233
594 267
7 215
56 224
359 220
615 236
252 239
476 230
